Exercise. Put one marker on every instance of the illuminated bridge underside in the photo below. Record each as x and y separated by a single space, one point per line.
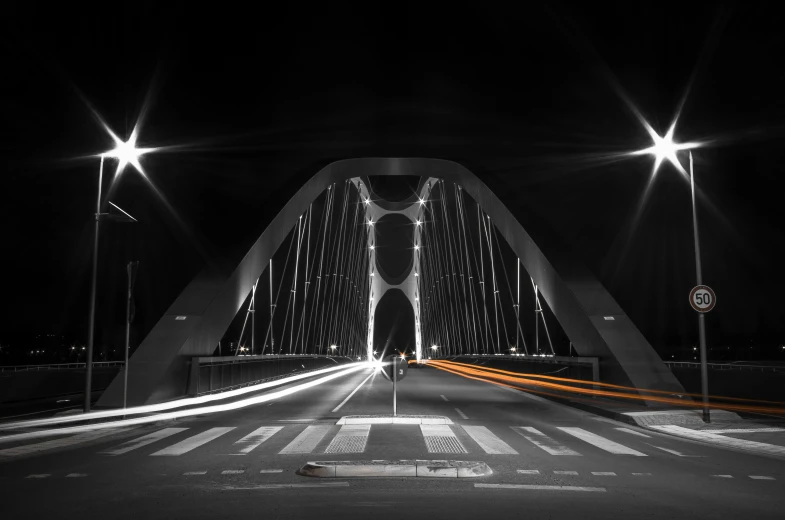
158 369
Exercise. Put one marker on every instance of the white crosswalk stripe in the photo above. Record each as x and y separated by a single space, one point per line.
601 442
192 442
307 441
489 442
72 440
351 438
255 438
544 442
142 441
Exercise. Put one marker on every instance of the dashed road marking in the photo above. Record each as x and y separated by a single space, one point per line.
142 441
489 442
642 474
76 475
353 392
232 471
747 430
271 471
58 443
722 476
539 487
714 438
444 398
192 442
283 486
601 442
565 472
463 415
529 471
761 477
40 475
543 442
256 437
604 473
674 452
195 473
633 432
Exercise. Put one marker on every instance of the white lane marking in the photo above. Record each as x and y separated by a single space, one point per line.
642 474
444 398
232 471
674 452
489 442
565 472
195 473
192 442
282 486
142 441
353 392
713 438
601 442
761 477
57 443
604 473
76 475
463 415
529 471
539 487
747 430
351 438
544 442
633 432
307 440
271 471
439 438
722 476
256 437
40 475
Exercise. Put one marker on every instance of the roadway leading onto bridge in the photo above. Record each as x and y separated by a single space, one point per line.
245 460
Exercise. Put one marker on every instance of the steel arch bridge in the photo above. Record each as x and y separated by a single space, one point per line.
196 321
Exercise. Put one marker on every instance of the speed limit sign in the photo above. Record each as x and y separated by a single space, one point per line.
702 298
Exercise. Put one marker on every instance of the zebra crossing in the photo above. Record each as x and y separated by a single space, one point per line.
293 439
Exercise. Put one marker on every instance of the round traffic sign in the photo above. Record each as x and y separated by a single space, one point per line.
395 363
702 298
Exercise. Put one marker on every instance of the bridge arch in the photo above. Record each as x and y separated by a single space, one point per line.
198 318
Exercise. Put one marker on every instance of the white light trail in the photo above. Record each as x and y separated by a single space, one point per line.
172 404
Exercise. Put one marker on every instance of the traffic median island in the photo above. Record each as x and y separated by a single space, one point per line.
395 468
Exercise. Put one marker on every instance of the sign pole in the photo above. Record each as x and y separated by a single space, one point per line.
395 387
701 317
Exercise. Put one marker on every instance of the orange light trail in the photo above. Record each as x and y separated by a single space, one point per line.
502 377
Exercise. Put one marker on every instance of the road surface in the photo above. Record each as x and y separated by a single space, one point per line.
548 461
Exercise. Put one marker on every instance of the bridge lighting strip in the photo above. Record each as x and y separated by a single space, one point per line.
153 408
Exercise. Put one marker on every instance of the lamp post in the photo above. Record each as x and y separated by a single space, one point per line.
664 148
125 152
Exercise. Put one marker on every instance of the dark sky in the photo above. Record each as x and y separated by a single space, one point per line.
253 100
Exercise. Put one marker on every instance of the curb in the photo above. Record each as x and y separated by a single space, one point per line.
398 468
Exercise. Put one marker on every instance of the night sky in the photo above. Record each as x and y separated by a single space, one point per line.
248 102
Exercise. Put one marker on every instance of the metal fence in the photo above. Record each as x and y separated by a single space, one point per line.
61 366
219 374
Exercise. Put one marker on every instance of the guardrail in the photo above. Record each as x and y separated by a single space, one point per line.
61 366
724 366
219 374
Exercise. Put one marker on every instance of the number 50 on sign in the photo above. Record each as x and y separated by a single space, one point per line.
702 298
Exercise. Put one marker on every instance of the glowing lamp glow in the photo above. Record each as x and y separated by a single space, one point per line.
664 148
126 152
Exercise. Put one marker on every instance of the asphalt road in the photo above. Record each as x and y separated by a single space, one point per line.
570 463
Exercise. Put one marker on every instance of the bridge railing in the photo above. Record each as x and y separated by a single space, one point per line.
725 366
220 374
61 366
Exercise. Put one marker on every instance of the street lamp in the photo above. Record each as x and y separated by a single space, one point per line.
126 153
664 148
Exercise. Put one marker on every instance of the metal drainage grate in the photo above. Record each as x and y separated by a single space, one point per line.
441 444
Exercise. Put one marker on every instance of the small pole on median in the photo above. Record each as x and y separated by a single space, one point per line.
395 387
